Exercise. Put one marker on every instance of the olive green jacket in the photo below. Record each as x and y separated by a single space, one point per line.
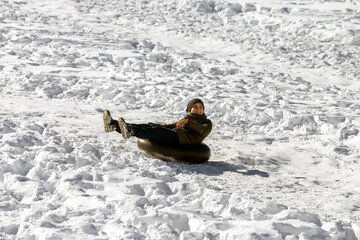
195 131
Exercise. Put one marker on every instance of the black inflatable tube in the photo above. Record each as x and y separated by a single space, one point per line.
188 153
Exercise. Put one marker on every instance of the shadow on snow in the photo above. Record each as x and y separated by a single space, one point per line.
215 168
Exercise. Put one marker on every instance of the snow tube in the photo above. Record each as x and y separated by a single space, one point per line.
189 153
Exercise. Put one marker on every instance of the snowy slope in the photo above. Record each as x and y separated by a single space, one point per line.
280 81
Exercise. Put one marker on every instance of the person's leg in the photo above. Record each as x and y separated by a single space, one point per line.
110 124
116 124
143 131
158 133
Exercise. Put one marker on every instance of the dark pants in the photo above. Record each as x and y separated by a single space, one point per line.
158 133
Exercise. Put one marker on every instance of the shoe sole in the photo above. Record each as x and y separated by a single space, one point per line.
124 131
106 118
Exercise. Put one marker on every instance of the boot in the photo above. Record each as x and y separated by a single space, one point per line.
126 128
109 125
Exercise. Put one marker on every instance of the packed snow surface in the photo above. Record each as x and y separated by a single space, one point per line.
281 83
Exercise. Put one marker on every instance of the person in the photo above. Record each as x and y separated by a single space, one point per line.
192 129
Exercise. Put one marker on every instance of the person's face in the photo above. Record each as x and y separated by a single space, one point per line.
197 108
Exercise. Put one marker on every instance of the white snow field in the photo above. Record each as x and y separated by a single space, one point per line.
281 83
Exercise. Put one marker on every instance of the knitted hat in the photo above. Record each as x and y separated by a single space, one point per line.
192 102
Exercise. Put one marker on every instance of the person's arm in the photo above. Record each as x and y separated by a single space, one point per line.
181 123
171 126
202 129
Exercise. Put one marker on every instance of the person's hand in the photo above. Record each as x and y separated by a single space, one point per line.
181 123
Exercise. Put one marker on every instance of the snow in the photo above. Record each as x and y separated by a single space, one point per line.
280 82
